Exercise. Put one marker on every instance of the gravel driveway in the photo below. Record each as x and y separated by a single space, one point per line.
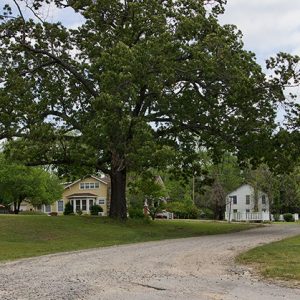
191 268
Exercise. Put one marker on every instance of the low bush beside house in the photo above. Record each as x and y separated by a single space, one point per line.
95 209
68 209
288 217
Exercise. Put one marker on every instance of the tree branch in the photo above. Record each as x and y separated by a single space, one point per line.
66 66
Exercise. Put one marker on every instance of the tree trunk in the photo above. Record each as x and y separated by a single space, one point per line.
118 209
17 205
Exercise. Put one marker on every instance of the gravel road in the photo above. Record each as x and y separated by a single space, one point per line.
191 268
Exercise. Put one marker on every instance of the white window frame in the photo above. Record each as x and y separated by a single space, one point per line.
101 201
63 206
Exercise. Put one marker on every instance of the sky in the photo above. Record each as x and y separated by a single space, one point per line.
268 26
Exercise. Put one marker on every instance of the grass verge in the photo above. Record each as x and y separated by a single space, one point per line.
279 260
27 236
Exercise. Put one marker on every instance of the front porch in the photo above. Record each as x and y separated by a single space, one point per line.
82 202
247 216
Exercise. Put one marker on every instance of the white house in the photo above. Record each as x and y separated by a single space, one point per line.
241 206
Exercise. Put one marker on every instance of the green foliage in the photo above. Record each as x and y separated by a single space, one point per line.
206 213
133 68
19 182
136 213
183 210
68 209
31 213
95 209
288 217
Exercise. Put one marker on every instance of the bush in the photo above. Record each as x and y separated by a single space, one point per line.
136 213
288 217
68 209
31 213
95 209
276 217
206 213
53 214
183 210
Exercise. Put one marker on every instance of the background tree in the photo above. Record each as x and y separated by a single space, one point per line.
223 178
19 183
138 84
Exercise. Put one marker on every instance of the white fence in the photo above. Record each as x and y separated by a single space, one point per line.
239 216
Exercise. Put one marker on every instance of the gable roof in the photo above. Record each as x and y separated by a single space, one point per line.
242 186
104 181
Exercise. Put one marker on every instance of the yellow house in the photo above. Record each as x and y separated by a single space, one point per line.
82 194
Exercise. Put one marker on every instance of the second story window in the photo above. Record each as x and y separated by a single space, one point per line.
89 185
233 199
263 199
247 199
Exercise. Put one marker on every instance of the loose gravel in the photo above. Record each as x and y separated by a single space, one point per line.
191 268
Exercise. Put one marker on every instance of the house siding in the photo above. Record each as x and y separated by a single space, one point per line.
241 205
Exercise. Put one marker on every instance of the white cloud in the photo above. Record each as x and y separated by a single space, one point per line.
269 26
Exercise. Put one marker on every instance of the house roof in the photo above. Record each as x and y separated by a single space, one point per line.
82 195
244 184
103 180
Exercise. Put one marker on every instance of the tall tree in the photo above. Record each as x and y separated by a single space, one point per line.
138 81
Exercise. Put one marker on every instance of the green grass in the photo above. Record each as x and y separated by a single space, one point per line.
279 260
26 236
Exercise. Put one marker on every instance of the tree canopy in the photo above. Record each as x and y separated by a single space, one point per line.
137 84
19 183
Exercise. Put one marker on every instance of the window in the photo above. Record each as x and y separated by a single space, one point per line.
247 211
233 199
89 185
91 203
47 208
60 205
102 201
263 199
83 204
235 211
77 205
247 199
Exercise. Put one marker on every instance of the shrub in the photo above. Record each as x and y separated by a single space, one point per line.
68 209
206 213
136 213
95 209
53 214
31 213
276 217
288 217
183 210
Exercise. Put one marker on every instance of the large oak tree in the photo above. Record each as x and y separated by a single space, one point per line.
139 83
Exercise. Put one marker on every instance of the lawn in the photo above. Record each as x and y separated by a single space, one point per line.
26 236
276 260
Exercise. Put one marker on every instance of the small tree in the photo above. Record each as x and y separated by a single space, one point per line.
35 185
